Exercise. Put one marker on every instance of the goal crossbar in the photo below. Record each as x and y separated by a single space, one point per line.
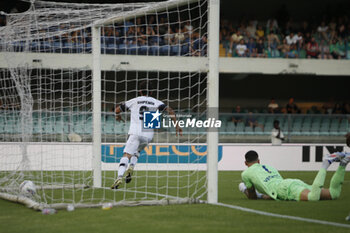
155 7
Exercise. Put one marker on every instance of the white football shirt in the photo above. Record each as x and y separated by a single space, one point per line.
137 106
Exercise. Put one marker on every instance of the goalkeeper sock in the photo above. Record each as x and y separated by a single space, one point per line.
133 160
337 182
326 163
317 185
122 166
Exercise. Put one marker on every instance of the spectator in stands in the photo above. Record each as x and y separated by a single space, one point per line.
271 26
179 37
324 50
291 38
322 30
260 33
272 106
276 134
237 117
346 108
272 44
163 26
235 39
241 49
225 40
251 47
299 40
2 20
328 106
251 29
260 49
252 122
333 49
342 33
307 38
293 52
169 37
188 27
291 107
284 48
341 50
305 28
337 109
312 48
332 24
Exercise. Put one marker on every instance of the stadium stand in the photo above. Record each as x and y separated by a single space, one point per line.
126 38
305 39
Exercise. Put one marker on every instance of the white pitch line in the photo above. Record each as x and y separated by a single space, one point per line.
284 216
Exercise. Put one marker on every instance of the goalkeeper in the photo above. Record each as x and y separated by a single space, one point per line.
263 181
138 137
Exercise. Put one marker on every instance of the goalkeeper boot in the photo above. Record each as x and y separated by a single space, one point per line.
117 183
344 161
129 173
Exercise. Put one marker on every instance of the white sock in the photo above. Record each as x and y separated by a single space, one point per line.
133 160
122 166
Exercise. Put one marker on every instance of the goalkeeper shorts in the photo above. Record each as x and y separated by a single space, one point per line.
290 189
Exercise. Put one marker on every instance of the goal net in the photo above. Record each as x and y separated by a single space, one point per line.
64 68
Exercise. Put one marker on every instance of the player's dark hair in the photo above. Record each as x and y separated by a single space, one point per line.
145 87
276 122
251 156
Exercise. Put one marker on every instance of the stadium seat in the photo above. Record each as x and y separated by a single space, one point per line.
45 46
87 47
185 49
164 50
153 50
248 130
258 131
37 128
306 128
48 129
175 50
240 128
324 130
143 50
122 49
230 127
108 128
132 49
296 128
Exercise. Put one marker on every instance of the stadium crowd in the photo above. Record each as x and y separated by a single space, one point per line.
142 36
329 107
324 39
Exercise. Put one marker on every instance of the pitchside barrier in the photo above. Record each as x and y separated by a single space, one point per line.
289 157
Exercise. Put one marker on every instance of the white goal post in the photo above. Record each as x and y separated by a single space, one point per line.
63 69
212 82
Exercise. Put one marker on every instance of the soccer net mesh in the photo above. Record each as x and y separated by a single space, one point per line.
46 101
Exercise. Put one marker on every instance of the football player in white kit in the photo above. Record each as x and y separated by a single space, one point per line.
138 136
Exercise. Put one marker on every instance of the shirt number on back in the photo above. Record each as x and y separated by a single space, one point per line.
142 109
263 166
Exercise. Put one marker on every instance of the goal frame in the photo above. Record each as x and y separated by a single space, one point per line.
212 87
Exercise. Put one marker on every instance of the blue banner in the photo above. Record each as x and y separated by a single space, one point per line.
161 154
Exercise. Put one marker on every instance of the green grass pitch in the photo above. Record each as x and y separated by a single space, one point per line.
189 218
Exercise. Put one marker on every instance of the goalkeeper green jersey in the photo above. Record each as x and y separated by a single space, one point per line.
264 178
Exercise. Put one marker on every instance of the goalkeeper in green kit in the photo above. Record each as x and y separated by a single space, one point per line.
265 182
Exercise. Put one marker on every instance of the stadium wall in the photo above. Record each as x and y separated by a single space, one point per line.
70 156
176 64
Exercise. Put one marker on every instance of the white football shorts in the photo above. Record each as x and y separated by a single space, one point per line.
135 144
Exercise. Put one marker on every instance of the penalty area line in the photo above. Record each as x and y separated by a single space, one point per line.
283 216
